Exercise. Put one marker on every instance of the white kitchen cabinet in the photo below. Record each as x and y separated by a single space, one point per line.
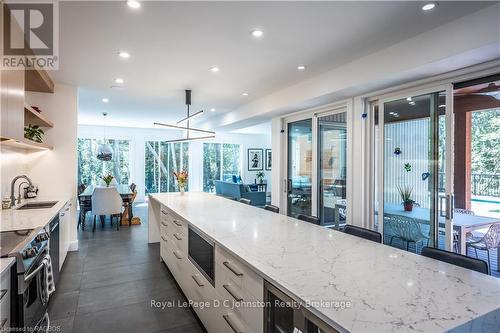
64 228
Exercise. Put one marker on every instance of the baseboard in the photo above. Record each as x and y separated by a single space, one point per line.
73 246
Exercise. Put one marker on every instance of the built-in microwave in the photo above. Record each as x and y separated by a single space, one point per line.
201 254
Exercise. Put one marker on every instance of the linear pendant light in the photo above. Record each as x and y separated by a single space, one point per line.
187 128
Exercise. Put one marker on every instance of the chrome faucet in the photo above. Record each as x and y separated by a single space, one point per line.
12 184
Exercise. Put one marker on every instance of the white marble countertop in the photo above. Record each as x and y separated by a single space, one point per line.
390 290
5 263
14 219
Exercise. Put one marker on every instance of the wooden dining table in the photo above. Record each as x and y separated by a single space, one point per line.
124 191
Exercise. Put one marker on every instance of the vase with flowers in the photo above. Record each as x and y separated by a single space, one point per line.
181 177
108 179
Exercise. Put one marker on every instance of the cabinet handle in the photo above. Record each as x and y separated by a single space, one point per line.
2 293
232 268
164 212
163 237
231 324
66 209
177 223
176 235
62 214
232 292
164 224
177 255
198 282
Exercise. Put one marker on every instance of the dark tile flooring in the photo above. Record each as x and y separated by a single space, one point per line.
107 286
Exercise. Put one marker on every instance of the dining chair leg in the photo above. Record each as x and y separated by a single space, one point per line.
489 263
93 228
119 222
475 250
103 219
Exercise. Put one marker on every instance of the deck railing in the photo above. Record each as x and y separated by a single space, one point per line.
483 184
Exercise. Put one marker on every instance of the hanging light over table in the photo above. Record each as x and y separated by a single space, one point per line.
104 150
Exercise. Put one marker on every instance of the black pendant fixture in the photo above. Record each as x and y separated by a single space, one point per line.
187 128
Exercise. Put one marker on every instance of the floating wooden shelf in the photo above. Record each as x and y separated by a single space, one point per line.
24 144
38 81
31 116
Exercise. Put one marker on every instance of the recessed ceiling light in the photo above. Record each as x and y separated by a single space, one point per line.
212 110
412 103
429 6
105 100
214 69
408 99
257 33
134 4
124 54
301 68
119 80
245 94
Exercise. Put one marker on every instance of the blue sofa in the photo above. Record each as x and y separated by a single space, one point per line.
236 191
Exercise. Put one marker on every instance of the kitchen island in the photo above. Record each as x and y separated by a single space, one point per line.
384 289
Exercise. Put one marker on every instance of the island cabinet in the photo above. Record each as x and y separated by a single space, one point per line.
233 302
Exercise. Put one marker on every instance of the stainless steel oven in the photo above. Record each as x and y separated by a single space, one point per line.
31 284
201 254
33 297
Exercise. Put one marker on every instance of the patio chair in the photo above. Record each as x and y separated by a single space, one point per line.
455 233
406 229
490 240
456 259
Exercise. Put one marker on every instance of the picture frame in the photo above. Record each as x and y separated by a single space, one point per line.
268 160
255 159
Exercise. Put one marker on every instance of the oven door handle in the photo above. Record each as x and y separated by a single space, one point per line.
32 274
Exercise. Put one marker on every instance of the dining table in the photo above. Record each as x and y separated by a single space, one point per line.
123 189
462 223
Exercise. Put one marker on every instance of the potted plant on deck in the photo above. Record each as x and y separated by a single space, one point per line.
406 192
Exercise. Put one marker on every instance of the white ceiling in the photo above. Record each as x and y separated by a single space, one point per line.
173 44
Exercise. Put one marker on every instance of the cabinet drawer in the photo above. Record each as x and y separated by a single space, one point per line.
228 269
247 308
163 247
228 321
5 300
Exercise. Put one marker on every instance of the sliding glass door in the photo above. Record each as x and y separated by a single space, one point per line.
413 194
332 169
316 165
299 165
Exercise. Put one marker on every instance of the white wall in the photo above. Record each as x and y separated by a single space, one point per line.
138 137
55 171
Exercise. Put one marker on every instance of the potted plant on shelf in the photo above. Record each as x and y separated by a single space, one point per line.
181 177
108 179
260 176
33 133
406 192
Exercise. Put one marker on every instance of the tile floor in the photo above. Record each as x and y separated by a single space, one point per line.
107 286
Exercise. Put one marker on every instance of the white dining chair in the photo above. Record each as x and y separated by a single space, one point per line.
107 201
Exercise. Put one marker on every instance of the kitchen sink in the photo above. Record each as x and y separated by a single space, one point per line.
37 205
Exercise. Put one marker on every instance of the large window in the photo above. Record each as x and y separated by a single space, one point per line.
90 169
161 161
220 162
